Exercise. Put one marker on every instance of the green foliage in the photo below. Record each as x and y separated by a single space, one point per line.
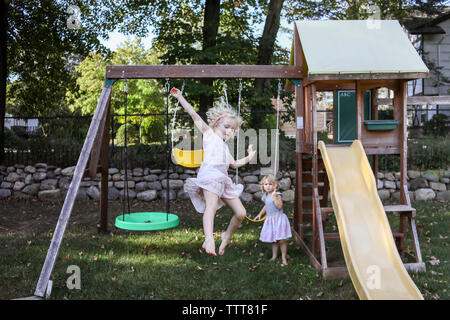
437 125
144 96
42 52
430 153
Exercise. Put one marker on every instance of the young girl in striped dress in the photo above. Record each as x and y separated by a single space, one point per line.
276 228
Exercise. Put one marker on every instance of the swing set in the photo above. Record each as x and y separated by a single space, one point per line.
363 59
95 151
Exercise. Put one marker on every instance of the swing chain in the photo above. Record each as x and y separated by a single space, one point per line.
238 129
225 92
167 86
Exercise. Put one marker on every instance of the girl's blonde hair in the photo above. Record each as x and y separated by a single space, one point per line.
269 178
220 111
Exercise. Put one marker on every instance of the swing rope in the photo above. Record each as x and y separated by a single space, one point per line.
175 114
167 87
275 169
237 138
145 221
125 197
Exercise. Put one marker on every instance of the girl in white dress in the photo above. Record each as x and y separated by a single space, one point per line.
213 188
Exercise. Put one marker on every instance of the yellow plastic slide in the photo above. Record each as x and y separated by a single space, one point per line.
370 253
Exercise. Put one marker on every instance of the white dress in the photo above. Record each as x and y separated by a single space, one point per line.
213 173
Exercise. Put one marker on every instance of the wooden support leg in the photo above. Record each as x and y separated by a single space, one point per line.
298 215
320 234
104 159
69 201
415 238
402 229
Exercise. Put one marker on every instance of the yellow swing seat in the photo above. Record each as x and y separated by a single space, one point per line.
188 158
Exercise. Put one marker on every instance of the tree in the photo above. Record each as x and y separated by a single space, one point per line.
144 96
41 52
265 55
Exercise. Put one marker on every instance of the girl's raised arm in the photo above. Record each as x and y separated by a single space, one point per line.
243 161
277 200
198 121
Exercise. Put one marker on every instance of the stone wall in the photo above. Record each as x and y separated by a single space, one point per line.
48 182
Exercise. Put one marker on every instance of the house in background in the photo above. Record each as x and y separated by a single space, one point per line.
31 125
431 37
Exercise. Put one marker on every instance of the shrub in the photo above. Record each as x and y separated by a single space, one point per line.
437 125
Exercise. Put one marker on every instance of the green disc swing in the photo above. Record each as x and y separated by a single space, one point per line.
145 221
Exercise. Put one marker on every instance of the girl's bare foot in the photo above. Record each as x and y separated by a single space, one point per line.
284 261
209 246
273 258
225 239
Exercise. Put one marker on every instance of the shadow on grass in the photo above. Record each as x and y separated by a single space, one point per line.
170 264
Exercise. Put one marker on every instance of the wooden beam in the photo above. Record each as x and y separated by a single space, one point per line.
72 193
95 153
419 100
203 71
335 272
316 264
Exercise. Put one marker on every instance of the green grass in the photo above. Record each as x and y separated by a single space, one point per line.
170 265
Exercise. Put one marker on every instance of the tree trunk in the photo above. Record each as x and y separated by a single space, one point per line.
211 22
265 55
3 74
210 30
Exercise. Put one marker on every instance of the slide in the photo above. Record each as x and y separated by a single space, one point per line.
370 253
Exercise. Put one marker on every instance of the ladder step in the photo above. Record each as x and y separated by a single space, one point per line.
398 208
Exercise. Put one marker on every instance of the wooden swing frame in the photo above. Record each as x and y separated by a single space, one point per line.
96 146
96 149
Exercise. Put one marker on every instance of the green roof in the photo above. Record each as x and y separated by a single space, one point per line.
352 47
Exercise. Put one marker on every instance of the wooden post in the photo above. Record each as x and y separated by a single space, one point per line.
400 103
104 159
374 116
314 170
299 139
72 193
359 95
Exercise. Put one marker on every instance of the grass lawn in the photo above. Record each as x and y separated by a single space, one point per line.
170 265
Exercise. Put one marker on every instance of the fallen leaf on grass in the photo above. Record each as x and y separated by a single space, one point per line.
434 261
